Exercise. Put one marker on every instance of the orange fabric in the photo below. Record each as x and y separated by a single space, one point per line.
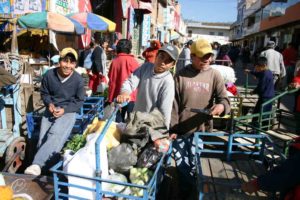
150 53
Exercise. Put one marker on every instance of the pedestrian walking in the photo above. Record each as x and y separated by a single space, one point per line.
98 68
290 55
275 63
264 88
150 53
120 69
184 57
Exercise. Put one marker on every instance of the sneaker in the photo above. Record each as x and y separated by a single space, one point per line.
33 170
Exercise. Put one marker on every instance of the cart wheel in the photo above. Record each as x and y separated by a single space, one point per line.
15 154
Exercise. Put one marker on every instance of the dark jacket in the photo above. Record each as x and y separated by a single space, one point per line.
97 60
68 95
265 86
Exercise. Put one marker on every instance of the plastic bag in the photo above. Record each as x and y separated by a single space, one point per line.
122 158
149 157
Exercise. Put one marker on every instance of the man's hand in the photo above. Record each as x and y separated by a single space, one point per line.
51 107
123 98
173 136
58 112
162 145
295 85
217 109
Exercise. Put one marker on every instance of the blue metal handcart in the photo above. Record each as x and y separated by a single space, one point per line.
228 160
149 190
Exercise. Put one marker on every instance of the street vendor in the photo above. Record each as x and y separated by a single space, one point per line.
197 87
62 91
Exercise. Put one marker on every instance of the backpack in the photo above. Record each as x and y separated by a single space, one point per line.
87 63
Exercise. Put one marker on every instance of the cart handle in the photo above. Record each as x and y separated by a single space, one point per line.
102 134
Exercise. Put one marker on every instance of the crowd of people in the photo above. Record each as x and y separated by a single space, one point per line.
194 84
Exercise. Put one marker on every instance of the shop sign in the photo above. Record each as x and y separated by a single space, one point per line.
64 6
5 7
28 6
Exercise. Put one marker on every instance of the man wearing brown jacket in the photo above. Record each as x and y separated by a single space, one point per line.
199 94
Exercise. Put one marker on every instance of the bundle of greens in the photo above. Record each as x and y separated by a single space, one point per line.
77 141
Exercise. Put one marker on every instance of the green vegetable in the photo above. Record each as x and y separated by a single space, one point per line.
139 176
77 142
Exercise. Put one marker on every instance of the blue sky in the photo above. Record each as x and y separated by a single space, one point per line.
209 10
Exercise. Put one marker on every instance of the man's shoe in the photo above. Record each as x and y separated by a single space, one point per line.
33 170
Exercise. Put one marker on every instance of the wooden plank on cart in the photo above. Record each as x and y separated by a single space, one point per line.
258 169
248 174
219 177
208 186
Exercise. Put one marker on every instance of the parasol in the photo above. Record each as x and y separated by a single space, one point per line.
51 21
93 22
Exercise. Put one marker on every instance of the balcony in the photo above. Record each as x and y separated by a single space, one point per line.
254 28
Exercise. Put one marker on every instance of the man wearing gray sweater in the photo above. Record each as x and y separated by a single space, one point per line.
154 83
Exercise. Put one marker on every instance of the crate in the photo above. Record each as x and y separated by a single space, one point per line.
92 107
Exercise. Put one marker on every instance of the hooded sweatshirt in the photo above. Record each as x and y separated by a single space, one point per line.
154 90
196 89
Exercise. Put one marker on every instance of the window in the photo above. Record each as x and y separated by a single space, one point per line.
211 33
190 33
220 34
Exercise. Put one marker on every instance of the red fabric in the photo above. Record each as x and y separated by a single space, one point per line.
120 69
289 56
232 89
297 80
150 53
95 80
294 194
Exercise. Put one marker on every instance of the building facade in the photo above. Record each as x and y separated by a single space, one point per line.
214 32
259 21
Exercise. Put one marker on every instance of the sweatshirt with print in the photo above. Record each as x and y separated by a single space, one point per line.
196 89
154 90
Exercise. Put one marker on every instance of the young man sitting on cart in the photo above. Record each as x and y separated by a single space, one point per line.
62 91
197 87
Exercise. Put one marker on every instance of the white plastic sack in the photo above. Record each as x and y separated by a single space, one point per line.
83 163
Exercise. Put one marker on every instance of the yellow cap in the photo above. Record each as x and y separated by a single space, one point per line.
68 50
201 47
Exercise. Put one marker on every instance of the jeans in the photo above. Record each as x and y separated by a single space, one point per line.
184 155
54 133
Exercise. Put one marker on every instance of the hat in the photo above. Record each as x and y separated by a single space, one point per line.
271 44
201 47
190 42
171 50
67 51
55 59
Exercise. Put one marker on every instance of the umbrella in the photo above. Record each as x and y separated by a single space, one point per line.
93 21
52 21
